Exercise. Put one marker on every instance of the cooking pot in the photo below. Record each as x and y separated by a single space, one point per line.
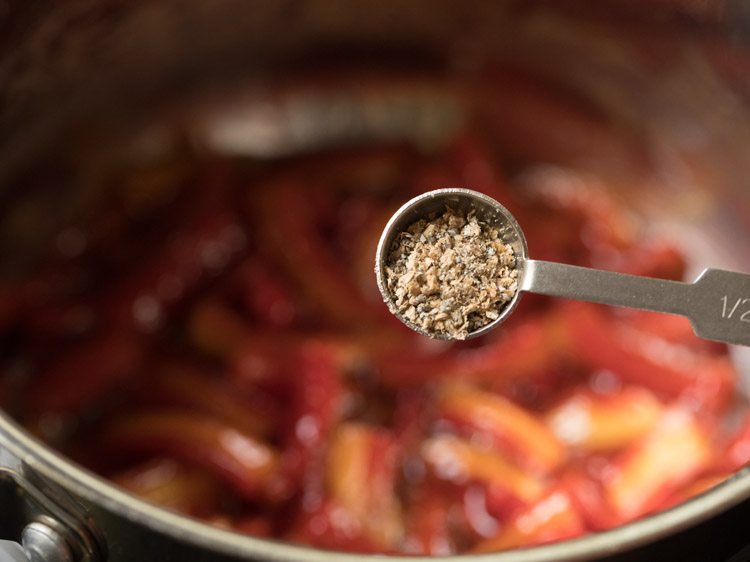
673 76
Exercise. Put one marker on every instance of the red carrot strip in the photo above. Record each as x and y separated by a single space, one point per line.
530 348
60 320
215 329
550 519
173 486
248 465
361 470
266 296
595 422
648 472
427 519
530 121
469 157
699 486
653 259
641 358
586 491
331 527
510 428
177 385
292 237
201 249
10 305
315 401
459 461
673 329
87 374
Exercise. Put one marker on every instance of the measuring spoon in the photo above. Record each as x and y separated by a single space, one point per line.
717 303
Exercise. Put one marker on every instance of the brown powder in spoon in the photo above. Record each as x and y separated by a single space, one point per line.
451 275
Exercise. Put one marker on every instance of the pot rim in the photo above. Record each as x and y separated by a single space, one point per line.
41 459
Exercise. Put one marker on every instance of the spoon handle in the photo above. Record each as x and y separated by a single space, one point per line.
717 303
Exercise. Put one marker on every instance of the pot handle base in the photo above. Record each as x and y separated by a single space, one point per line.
46 531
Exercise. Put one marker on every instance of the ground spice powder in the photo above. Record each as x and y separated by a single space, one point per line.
451 275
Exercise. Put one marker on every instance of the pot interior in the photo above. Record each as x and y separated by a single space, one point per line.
203 126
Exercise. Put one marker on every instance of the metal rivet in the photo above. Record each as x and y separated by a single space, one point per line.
42 543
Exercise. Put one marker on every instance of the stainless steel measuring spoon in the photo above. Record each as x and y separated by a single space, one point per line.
717 303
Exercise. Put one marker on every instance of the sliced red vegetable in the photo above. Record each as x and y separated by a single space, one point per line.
361 470
266 365
331 527
511 429
413 412
428 519
53 285
482 521
10 305
368 172
254 525
673 329
215 329
658 258
595 422
364 246
458 461
248 465
173 486
267 296
674 451
314 407
68 319
585 488
200 250
695 488
87 374
530 120
179 385
527 349
470 157
704 380
290 232
268 359
552 518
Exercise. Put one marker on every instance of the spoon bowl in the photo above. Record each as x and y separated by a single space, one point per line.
428 206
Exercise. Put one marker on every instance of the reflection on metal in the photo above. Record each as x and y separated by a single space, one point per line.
282 125
43 543
12 552
50 530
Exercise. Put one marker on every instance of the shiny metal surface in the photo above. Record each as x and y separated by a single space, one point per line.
716 303
11 551
46 519
43 543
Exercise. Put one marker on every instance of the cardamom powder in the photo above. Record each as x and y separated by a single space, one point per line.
451 275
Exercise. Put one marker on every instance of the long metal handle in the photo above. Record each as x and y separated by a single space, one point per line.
717 303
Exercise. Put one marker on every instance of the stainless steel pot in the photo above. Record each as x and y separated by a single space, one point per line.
673 75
